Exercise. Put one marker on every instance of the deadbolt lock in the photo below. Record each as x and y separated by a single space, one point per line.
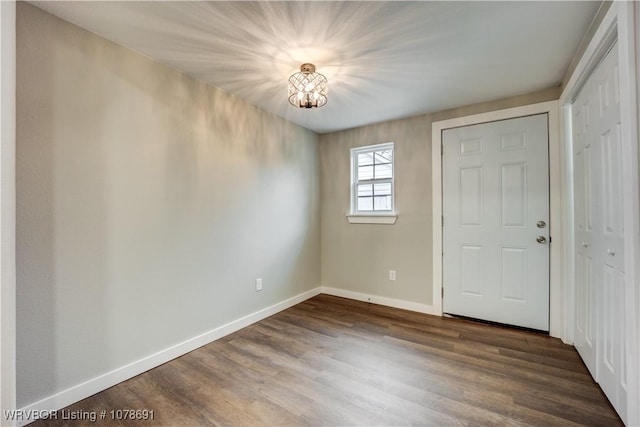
541 224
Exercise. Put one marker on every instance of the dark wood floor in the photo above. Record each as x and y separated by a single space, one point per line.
335 362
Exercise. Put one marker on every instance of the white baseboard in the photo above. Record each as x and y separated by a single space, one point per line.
375 299
88 388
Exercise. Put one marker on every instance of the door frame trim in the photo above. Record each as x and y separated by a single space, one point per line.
621 23
7 209
556 196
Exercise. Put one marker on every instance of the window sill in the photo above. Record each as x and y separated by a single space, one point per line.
372 219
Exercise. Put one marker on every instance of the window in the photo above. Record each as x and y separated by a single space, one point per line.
372 180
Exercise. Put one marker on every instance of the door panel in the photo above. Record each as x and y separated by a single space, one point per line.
471 196
471 260
584 206
495 190
513 195
514 271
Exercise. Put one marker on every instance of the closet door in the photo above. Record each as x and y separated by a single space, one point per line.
599 234
610 258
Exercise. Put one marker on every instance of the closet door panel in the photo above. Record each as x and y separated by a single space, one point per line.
610 232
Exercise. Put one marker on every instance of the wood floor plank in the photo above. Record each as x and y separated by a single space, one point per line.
331 361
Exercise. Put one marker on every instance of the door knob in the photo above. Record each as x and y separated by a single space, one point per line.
541 224
541 239
585 244
611 252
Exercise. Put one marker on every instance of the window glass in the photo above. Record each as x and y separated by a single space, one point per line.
372 179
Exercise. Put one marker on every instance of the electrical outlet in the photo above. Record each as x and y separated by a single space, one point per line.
392 275
258 284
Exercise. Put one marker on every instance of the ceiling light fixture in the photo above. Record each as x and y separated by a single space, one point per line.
308 89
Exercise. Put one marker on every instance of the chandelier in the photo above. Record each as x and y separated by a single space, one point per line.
307 89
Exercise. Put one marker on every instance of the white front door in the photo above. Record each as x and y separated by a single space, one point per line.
495 195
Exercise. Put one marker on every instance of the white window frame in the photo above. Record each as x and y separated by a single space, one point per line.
371 217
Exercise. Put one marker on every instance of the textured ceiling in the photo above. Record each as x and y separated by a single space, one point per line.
384 60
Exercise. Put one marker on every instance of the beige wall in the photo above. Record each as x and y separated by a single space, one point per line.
148 203
358 257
